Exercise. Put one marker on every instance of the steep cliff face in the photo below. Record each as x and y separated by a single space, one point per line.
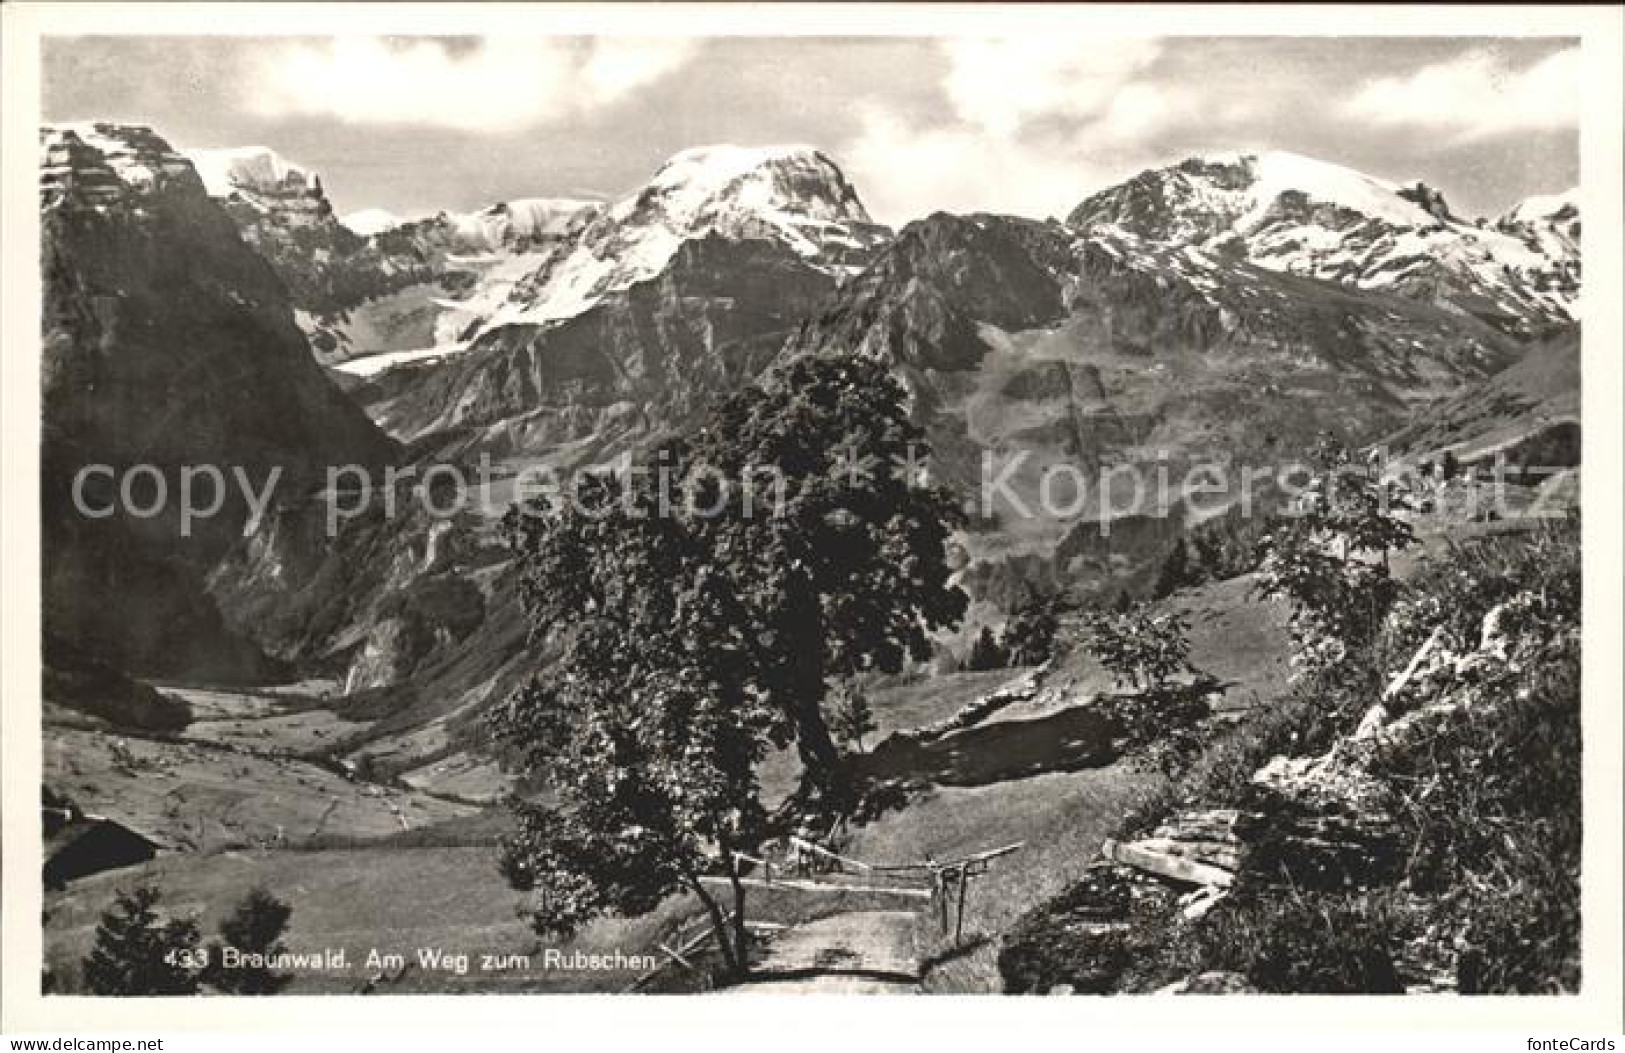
167 342
1528 413
521 225
475 258
330 271
1298 215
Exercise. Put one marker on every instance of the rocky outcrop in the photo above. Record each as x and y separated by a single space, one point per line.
282 212
922 301
1322 823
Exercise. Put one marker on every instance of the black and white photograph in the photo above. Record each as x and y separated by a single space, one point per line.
1073 509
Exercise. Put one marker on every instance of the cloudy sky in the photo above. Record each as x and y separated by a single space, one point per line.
1026 125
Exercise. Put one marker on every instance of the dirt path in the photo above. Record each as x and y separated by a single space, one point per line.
862 952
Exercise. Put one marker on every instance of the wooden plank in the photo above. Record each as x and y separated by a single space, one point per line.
993 853
810 846
1164 864
803 885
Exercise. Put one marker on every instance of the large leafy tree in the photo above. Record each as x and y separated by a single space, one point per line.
702 600
845 568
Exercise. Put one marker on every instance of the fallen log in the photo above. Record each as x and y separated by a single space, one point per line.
1165 864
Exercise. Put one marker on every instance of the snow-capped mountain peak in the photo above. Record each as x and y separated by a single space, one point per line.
518 223
250 169
794 196
1238 192
100 164
1278 172
1300 215
1547 208
788 185
370 221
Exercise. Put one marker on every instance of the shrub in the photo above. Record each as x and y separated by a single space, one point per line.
1493 794
1141 650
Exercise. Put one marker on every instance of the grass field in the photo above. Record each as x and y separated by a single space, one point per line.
200 797
390 900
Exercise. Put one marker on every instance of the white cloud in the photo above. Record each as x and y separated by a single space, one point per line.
501 84
905 172
617 67
1476 96
1002 84
1040 123
1141 110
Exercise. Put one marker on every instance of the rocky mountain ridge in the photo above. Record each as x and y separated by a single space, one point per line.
1298 215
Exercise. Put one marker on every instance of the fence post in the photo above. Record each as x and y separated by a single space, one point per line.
959 920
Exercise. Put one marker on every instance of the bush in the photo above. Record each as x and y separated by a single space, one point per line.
1330 559
1220 773
1493 795
1489 816
1141 650
1460 587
